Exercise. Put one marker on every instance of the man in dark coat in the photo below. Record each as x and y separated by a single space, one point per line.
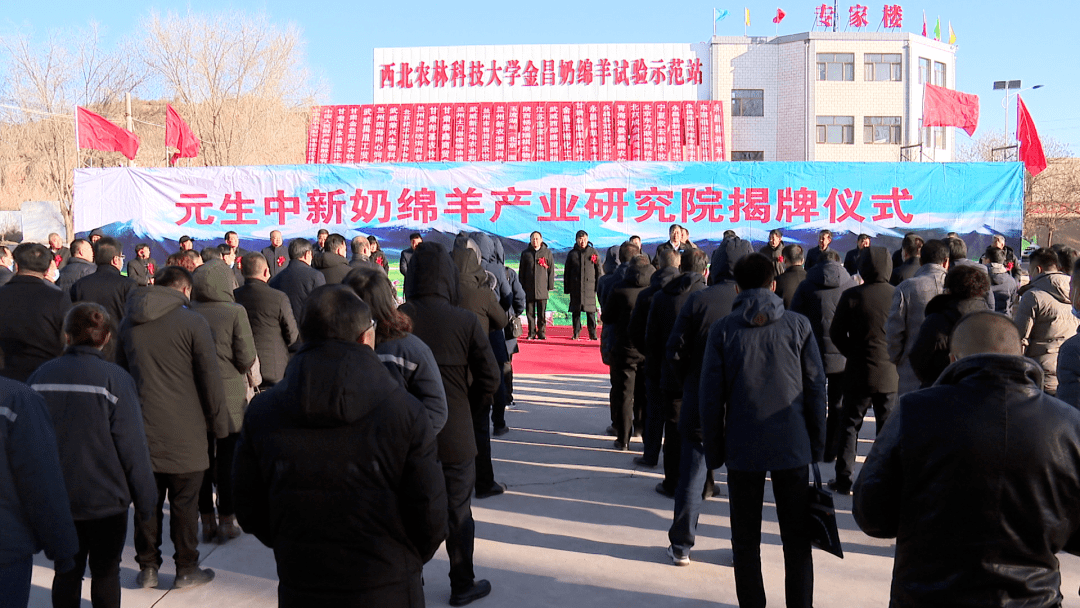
851 258
580 274
870 378
536 272
169 350
469 374
627 375
298 279
141 269
965 293
345 532
277 254
824 240
106 286
1002 285
214 257
910 251
273 324
331 262
614 270
794 273
757 420
406 253
977 478
232 239
80 264
32 313
60 253
663 310
6 261
476 296
361 250
639 322
685 351
816 299
774 249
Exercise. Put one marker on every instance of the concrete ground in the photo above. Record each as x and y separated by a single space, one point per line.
579 525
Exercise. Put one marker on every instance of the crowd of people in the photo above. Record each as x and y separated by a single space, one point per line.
291 394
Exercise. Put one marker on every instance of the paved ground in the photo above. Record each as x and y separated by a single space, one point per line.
580 525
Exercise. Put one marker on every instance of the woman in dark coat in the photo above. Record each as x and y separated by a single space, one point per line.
537 275
579 281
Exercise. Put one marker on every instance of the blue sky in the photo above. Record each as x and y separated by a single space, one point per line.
998 40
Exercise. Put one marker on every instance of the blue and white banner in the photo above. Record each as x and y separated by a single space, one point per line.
608 200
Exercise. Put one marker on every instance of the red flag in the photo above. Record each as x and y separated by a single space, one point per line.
97 133
1031 150
924 24
947 108
780 14
178 135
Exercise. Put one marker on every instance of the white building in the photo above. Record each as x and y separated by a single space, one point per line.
825 96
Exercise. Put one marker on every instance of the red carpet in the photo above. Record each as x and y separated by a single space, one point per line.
559 354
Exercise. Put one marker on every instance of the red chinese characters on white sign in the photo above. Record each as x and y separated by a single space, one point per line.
541 73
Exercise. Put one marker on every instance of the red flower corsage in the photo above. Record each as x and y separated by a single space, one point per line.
1009 266
150 268
58 259
594 258
280 261
780 259
542 261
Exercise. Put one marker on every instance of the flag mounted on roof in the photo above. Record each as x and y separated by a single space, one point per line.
780 14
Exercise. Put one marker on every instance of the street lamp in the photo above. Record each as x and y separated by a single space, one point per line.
1010 85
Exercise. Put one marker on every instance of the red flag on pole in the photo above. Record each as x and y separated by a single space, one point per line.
1031 150
947 108
780 14
97 133
178 135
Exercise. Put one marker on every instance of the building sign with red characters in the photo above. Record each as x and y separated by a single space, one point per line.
549 72
608 200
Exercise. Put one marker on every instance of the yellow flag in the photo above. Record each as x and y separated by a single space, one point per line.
952 34
747 16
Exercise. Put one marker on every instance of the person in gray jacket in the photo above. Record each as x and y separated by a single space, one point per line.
99 430
1002 284
34 509
1044 315
909 310
80 264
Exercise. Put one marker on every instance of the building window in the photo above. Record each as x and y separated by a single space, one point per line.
932 137
881 130
835 129
924 70
836 66
882 66
939 74
747 102
747 156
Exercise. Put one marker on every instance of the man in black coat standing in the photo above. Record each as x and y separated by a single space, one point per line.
277 254
816 299
341 538
80 264
824 240
298 279
106 286
60 253
627 372
870 378
470 374
851 258
580 274
910 249
169 351
537 275
795 273
406 253
331 262
273 324
32 313
977 478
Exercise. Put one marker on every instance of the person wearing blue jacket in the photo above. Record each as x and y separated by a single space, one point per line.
34 512
99 429
762 402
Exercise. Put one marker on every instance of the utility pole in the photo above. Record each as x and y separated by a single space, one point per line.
130 121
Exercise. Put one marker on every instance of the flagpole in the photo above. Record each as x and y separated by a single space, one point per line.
714 23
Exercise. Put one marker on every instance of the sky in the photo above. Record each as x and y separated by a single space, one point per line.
1034 42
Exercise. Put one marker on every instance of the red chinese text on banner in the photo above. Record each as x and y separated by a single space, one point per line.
97 133
947 108
178 135
1031 150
